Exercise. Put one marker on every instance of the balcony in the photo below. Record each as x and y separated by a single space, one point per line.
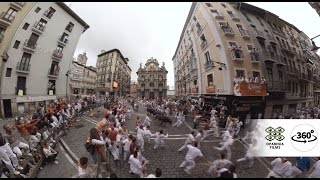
62 41
292 71
211 89
254 56
28 46
48 15
23 68
199 31
21 91
227 30
237 54
270 57
259 35
194 90
203 44
234 17
277 86
38 28
57 55
6 19
17 5
208 65
250 89
218 15
160 88
272 39
245 34
53 73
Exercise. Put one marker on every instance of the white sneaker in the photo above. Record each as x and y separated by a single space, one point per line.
181 166
56 162
19 168
16 172
29 154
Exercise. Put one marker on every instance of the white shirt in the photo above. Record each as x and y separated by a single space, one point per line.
148 133
48 152
316 172
140 133
135 164
84 173
198 136
193 152
221 163
159 137
281 169
126 143
151 176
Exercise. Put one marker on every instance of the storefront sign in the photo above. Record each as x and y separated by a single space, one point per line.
35 98
250 89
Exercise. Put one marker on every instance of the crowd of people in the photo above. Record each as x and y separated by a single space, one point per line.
31 140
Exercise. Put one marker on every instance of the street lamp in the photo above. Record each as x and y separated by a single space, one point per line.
67 74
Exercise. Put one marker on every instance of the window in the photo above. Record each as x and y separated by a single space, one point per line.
203 41
25 61
280 77
70 27
249 46
255 74
2 30
224 5
232 44
246 16
16 44
9 16
25 26
214 12
269 77
64 38
37 10
260 21
8 72
209 4
207 58
210 80
59 48
49 13
240 73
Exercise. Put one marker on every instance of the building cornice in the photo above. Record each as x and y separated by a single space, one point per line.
74 15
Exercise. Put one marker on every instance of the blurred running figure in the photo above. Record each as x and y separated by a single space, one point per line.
192 153
281 168
159 139
189 140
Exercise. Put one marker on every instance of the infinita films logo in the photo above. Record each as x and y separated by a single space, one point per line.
274 137
304 137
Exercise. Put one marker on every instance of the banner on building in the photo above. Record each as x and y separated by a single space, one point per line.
250 89
35 98
285 138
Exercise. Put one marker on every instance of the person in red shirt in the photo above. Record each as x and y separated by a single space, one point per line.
112 134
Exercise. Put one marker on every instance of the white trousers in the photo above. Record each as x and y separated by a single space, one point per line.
17 148
188 164
126 155
115 154
178 123
158 144
7 156
140 142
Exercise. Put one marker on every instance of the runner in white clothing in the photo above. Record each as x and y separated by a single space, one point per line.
315 170
218 164
146 121
140 140
192 153
281 168
135 165
251 154
148 134
159 139
189 140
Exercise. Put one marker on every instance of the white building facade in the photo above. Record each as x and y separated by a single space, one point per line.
40 55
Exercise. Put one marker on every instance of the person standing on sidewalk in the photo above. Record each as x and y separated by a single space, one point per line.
8 157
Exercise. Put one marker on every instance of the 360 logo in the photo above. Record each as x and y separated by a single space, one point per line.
274 133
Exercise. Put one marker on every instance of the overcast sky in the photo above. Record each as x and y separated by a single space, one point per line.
144 30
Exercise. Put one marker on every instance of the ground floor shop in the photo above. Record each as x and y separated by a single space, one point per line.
237 105
12 107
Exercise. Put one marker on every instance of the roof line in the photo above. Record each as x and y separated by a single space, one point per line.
74 15
84 66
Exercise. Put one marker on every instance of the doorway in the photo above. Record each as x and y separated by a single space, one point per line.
7 108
